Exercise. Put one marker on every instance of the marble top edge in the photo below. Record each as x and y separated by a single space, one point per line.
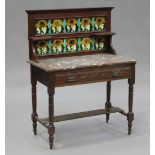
76 62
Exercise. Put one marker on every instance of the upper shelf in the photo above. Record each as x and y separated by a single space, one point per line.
98 34
70 35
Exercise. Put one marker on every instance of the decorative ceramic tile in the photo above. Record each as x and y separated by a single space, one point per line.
86 24
72 45
99 43
57 26
42 27
71 25
99 23
42 47
69 45
86 44
57 46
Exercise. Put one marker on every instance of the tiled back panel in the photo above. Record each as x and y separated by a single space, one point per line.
72 25
69 45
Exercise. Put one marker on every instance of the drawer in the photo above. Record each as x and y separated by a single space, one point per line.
79 77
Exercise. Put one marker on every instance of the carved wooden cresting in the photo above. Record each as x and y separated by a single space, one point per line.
70 47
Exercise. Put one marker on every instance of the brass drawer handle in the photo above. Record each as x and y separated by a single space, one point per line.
71 77
116 73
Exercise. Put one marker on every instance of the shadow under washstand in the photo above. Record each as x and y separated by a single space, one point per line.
83 132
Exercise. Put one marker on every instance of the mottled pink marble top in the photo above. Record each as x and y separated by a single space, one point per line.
73 62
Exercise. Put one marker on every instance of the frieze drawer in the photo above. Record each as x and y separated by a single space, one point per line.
79 77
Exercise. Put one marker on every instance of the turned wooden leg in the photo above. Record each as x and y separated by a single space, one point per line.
51 128
130 115
108 103
34 107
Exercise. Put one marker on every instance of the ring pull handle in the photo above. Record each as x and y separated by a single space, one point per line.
71 77
116 73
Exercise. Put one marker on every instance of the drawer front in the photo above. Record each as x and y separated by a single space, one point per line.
71 78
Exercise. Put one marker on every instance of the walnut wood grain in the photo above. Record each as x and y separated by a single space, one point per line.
130 115
91 76
42 67
51 128
65 117
108 103
67 35
34 108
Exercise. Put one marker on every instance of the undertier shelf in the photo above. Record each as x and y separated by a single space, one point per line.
45 121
